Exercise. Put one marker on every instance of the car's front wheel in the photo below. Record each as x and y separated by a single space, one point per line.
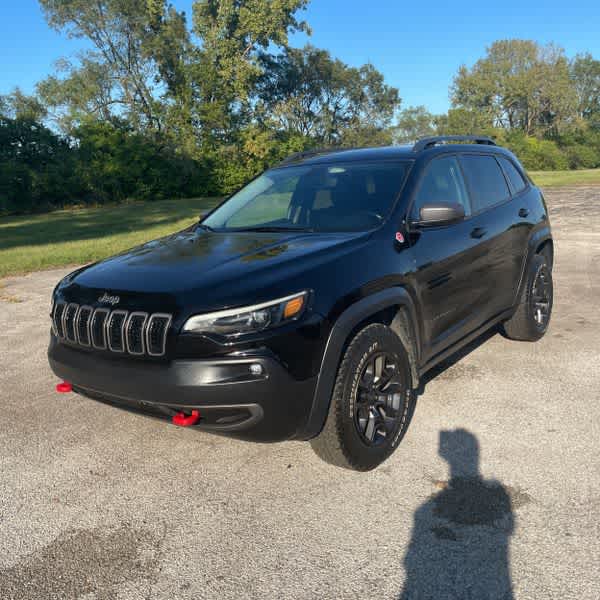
372 402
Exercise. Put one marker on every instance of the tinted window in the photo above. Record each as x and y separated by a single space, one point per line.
442 182
487 185
321 197
516 179
272 203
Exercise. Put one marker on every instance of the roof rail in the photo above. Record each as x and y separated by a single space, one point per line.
429 142
309 153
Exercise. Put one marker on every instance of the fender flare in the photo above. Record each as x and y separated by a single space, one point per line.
341 330
537 238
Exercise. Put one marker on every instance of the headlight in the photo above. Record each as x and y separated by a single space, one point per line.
249 319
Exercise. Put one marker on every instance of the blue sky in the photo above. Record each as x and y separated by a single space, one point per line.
417 45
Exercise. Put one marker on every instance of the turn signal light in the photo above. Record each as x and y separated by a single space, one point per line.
293 307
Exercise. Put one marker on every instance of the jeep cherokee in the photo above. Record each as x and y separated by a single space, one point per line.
308 305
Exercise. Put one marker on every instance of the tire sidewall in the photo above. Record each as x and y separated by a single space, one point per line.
372 340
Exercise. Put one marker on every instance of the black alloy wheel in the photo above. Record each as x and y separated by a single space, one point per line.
541 297
372 402
378 399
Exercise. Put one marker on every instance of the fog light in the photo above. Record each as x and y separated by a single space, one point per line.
256 369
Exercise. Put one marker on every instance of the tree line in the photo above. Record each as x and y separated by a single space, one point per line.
528 97
162 105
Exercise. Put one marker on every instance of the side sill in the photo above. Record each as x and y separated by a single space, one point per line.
438 358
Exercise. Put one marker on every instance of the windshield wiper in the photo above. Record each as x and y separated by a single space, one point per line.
271 228
205 227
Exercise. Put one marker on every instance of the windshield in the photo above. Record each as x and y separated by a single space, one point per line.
326 197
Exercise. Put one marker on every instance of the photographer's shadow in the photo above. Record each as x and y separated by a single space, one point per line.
460 539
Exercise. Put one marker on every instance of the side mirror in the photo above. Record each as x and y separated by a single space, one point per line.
440 213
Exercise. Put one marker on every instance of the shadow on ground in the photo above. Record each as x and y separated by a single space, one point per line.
459 545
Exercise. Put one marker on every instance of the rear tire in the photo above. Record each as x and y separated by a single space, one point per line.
372 402
532 317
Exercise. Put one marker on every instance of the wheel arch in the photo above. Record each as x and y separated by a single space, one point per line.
547 249
540 240
393 307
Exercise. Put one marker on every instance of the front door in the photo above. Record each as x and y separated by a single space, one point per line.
450 262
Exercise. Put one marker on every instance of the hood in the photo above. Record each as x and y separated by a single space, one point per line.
193 260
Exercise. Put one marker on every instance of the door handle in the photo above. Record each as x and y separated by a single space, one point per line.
478 232
523 213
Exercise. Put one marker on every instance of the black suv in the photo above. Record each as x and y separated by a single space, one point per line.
308 304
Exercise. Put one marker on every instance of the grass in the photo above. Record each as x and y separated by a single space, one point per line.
78 236
562 178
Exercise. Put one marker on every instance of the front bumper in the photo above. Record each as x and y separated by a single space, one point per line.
271 406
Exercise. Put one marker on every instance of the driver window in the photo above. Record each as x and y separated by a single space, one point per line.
442 182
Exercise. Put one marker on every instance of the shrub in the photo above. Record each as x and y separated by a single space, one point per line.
581 156
536 154
36 167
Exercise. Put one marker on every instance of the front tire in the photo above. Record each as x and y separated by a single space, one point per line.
372 402
532 317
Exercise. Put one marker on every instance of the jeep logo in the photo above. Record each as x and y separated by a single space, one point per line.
106 299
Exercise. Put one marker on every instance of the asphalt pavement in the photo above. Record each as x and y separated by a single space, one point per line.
100 503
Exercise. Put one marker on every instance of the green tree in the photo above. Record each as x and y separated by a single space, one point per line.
519 85
233 32
464 121
115 163
585 74
36 166
86 90
136 45
307 92
19 105
255 149
414 122
536 154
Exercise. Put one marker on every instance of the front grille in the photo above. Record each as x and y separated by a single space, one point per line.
134 332
115 328
155 340
68 318
121 331
57 320
98 329
82 328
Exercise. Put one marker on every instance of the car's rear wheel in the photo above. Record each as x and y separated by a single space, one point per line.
372 402
532 317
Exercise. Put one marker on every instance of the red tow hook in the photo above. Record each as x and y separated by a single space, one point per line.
184 420
64 387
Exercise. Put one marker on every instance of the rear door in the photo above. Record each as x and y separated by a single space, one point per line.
492 225
524 211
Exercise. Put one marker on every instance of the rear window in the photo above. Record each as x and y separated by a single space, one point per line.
517 182
485 179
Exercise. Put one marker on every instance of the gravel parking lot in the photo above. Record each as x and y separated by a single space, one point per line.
99 503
